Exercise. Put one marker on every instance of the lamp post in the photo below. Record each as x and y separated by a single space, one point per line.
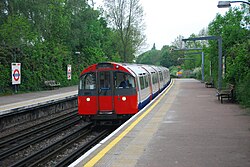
227 4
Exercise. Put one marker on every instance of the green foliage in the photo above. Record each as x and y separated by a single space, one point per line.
169 58
163 57
243 91
173 70
238 62
45 35
149 57
16 31
5 75
197 73
95 55
238 70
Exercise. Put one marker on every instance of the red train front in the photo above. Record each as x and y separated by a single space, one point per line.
102 94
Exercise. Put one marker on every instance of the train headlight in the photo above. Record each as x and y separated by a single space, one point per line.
87 99
124 98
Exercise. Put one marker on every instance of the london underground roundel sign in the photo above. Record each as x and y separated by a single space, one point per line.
16 73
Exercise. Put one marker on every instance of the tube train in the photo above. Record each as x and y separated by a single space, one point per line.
114 92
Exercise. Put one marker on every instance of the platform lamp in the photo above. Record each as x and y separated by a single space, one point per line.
227 4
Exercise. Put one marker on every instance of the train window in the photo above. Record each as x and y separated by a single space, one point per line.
146 81
105 79
142 84
88 81
155 79
123 80
165 75
161 77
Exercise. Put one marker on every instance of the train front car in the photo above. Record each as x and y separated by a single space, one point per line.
107 92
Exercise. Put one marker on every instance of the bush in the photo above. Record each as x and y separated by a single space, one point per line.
243 91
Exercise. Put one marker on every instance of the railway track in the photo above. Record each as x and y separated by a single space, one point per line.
41 156
82 149
65 151
14 143
55 142
30 131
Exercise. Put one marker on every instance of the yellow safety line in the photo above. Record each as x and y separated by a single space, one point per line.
96 158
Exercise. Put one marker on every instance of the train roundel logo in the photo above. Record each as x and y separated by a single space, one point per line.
16 74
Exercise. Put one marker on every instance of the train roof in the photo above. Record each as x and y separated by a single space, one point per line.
134 69
138 70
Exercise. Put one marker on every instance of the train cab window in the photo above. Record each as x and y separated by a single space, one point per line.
124 80
88 81
105 80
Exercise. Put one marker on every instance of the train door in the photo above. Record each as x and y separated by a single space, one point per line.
105 93
125 93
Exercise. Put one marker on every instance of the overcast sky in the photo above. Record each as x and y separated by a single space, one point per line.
167 19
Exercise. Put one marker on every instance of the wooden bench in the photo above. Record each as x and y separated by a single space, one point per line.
209 84
52 84
227 93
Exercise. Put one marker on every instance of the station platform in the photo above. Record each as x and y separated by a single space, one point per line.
10 102
185 127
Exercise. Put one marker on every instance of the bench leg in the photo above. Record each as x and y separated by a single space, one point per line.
227 97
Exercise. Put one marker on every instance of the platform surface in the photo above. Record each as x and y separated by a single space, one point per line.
10 102
189 127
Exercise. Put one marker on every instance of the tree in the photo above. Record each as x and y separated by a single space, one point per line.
126 17
178 43
44 35
168 57
151 57
153 48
